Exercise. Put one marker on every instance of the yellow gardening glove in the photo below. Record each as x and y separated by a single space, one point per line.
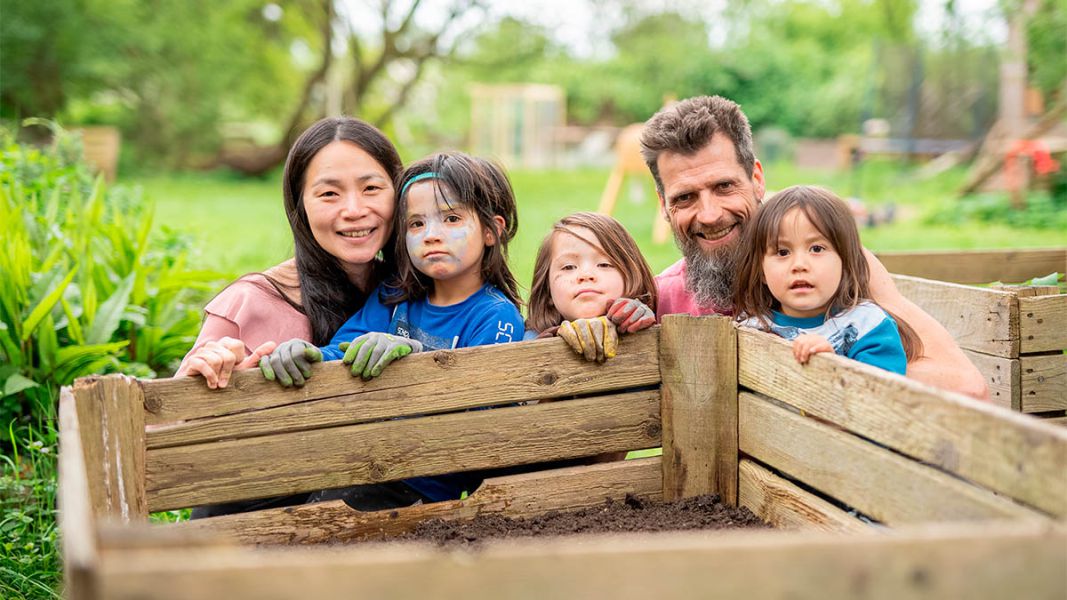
595 339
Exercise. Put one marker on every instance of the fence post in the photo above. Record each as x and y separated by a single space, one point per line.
698 366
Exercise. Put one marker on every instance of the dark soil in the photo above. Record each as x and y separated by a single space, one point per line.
630 515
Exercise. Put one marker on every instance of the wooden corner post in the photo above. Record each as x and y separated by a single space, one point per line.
698 366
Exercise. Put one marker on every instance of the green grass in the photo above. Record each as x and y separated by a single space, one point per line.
240 225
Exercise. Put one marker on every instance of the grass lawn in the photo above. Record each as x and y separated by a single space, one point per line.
240 226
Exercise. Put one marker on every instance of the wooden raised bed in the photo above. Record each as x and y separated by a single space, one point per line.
966 499
1015 335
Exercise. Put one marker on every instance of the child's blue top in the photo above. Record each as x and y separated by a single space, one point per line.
486 317
865 333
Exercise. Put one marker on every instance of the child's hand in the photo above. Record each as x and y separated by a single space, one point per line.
807 345
215 361
631 315
290 363
595 339
371 352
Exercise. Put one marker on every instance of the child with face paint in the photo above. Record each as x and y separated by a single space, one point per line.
590 284
455 215
802 275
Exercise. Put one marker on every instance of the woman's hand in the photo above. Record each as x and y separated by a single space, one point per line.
290 363
630 315
595 339
371 352
215 361
807 345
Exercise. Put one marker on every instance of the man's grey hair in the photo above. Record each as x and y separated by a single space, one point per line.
688 126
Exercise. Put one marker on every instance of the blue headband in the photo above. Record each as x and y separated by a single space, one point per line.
415 179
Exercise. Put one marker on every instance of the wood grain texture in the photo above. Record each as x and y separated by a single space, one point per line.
990 561
698 364
979 319
875 481
419 384
77 520
524 495
976 266
111 420
786 506
1044 382
1002 377
1043 324
1002 450
330 458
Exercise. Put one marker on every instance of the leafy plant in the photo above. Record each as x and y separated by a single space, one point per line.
85 289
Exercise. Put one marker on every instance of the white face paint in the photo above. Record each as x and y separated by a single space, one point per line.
443 242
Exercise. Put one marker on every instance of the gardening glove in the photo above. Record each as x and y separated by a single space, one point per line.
371 352
290 363
631 315
595 339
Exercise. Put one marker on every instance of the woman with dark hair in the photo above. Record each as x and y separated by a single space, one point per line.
340 196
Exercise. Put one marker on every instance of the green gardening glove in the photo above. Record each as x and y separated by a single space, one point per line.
370 353
290 363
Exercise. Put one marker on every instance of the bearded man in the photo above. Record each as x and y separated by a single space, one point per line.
709 184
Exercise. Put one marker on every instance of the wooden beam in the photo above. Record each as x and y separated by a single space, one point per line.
111 419
977 562
786 506
440 381
1044 382
1004 451
1003 377
330 458
979 319
524 495
1043 324
698 364
858 473
77 520
976 266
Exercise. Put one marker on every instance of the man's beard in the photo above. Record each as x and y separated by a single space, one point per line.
709 276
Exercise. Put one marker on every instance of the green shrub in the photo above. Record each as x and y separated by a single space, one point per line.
85 289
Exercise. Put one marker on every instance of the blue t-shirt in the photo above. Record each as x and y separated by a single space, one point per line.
486 317
865 333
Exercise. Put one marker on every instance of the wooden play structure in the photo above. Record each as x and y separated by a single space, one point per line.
629 163
879 486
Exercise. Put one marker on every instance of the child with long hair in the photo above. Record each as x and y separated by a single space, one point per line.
590 283
802 275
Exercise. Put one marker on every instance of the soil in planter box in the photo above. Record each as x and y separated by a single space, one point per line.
630 515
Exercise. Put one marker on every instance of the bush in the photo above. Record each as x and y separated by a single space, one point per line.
86 289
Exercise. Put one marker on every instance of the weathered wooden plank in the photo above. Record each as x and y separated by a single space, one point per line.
1056 421
698 364
77 519
976 266
111 420
988 561
1002 377
524 495
997 448
329 458
786 506
1043 323
419 384
979 319
1044 382
859 473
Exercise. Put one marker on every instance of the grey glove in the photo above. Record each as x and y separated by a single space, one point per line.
290 363
595 338
631 315
370 353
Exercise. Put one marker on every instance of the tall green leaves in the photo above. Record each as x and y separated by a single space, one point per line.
85 287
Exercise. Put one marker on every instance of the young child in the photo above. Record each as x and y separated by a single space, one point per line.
802 275
455 215
590 283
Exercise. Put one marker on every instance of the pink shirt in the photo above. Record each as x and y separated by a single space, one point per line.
250 310
672 297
